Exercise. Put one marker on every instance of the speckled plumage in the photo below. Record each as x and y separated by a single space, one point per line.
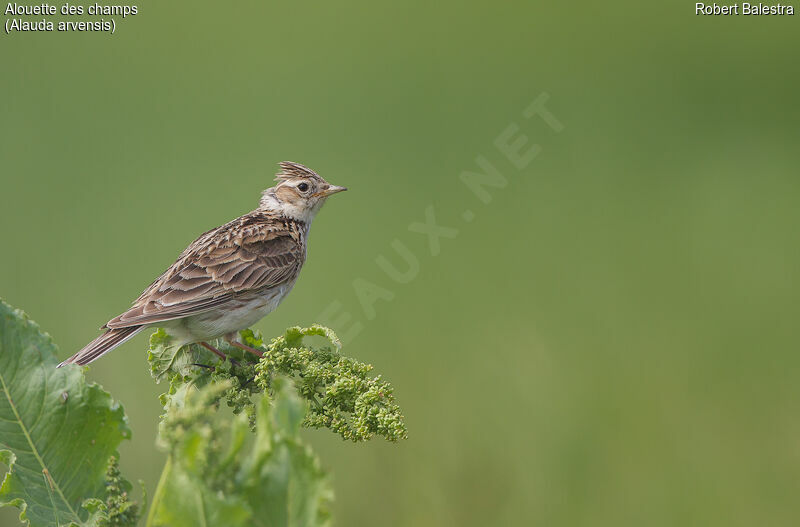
231 276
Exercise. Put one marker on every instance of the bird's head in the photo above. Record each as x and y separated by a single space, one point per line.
299 194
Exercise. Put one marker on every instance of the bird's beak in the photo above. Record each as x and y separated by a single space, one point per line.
333 189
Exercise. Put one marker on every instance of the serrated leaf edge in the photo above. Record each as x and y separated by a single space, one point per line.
24 429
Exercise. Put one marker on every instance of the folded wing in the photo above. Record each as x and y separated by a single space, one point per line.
251 253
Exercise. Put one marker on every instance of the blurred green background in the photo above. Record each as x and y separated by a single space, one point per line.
611 341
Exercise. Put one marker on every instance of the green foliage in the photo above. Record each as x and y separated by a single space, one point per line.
117 510
343 396
57 432
166 359
219 473
197 366
243 467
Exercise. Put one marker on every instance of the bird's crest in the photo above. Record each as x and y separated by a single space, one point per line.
291 170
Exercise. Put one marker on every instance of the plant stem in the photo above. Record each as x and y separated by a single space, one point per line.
162 483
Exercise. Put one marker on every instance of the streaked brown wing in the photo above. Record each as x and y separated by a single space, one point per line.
243 255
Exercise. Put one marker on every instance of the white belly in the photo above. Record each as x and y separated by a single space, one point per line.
234 316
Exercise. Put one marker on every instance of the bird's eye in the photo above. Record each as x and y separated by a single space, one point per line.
302 187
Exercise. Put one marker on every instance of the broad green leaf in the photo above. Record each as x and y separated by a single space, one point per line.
219 473
57 432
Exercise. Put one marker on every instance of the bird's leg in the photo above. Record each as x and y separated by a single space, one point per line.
232 341
213 350
217 352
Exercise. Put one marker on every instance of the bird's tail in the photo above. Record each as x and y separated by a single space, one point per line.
102 345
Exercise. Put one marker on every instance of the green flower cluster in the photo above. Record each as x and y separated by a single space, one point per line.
121 511
341 393
116 510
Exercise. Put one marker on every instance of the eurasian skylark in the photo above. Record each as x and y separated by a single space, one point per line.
230 277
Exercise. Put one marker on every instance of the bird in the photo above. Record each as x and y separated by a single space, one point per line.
230 277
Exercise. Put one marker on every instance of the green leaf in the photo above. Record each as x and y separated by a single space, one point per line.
294 335
219 473
298 491
98 514
165 358
57 432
